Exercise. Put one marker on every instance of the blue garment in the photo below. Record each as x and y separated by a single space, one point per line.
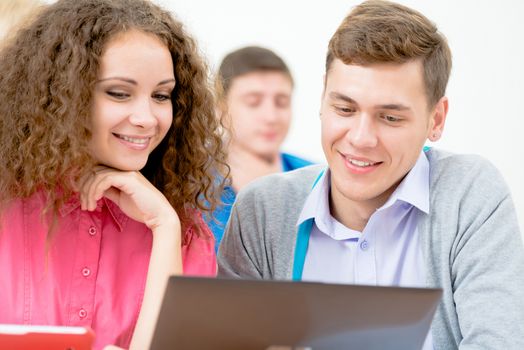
222 212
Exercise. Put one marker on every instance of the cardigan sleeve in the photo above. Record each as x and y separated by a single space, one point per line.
488 280
235 256
479 258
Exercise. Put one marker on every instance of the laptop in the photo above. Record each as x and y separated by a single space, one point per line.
207 313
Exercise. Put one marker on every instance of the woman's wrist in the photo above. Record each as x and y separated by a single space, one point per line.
166 221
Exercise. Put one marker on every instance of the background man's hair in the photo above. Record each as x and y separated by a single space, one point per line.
246 60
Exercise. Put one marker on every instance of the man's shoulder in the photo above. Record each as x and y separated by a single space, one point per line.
455 162
448 163
457 173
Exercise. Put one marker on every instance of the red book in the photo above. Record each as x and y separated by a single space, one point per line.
19 337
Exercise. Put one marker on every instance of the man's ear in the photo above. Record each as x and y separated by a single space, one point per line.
438 119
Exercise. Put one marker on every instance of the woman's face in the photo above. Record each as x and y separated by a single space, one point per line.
132 109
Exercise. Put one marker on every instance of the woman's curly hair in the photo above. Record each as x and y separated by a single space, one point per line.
47 75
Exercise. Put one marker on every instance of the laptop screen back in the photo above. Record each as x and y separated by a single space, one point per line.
204 313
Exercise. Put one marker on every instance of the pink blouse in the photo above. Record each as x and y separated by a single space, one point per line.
91 273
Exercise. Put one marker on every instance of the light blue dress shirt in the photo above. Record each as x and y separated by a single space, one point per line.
386 253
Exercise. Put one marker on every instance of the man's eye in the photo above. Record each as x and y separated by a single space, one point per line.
253 103
391 119
345 110
282 101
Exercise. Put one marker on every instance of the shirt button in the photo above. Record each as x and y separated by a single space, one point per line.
92 231
82 313
86 272
364 245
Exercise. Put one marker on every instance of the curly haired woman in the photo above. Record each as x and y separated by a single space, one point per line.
108 149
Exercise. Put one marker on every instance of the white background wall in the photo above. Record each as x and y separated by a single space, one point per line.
486 87
485 90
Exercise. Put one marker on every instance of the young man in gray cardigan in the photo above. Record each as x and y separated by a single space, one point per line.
386 211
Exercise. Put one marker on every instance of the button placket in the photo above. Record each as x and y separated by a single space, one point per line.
86 272
92 231
82 313
365 266
85 267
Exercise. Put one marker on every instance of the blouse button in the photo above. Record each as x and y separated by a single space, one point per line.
92 231
82 313
86 272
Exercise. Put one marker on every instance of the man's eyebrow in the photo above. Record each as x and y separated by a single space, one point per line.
339 96
394 107
389 106
252 93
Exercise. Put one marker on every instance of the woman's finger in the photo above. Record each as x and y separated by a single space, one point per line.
86 198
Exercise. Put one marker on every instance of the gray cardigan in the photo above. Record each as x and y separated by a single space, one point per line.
470 240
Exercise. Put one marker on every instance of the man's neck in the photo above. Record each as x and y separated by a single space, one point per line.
246 166
355 214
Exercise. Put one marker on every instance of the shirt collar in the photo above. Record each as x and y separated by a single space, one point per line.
414 188
74 203
318 198
317 207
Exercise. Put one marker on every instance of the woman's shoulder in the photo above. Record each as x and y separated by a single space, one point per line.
198 248
16 207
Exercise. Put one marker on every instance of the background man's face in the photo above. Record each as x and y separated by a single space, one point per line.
375 120
259 107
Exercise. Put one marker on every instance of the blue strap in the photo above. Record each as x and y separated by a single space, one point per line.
302 243
304 231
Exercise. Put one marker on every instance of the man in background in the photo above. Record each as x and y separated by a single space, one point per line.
254 88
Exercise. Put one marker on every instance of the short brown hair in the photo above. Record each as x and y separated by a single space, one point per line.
47 75
378 31
246 60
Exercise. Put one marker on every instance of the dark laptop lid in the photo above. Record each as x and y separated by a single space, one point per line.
205 313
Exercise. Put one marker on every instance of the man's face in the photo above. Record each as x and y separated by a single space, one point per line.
259 107
375 120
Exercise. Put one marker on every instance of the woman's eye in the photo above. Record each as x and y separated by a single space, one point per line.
162 97
118 95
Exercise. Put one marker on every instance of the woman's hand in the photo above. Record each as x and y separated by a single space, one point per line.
143 202
133 194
